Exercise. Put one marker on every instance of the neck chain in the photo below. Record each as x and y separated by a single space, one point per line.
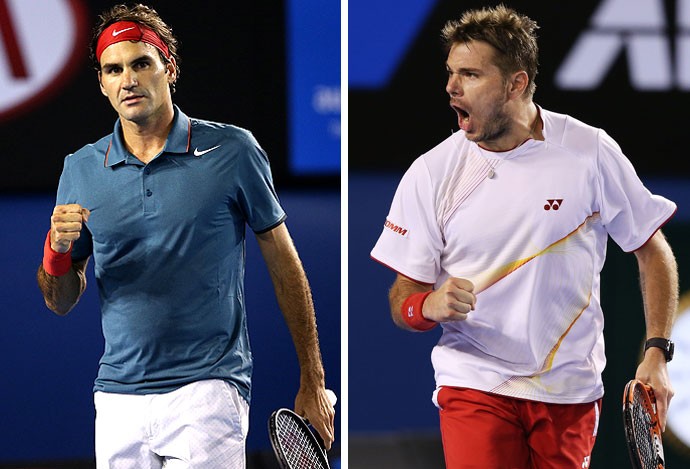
534 125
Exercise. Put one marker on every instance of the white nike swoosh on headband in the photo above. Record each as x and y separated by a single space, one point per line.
197 152
117 33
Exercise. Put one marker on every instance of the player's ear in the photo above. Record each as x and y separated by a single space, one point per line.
171 67
100 84
518 84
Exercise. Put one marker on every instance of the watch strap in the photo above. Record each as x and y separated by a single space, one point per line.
664 344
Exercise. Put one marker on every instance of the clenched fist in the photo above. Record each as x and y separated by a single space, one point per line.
66 224
451 302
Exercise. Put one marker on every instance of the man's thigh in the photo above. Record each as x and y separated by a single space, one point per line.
123 432
561 435
202 424
486 430
481 430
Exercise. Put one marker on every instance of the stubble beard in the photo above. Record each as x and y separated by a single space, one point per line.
496 125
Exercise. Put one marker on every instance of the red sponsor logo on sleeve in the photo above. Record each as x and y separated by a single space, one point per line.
395 228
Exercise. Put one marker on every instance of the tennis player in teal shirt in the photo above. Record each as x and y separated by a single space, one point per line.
160 206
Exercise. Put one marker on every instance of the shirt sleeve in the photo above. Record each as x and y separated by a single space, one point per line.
68 194
411 241
630 213
257 196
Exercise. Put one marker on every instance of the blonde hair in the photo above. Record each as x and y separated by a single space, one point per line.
511 34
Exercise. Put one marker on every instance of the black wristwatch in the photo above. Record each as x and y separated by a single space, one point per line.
664 344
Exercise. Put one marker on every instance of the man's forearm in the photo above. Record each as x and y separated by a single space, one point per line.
295 301
294 298
63 292
659 284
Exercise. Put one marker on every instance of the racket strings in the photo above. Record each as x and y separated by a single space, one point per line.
297 447
642 421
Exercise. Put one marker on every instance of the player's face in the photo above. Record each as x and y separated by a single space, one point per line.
136 81
478 92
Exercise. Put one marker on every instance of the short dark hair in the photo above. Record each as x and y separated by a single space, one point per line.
143 15
512 34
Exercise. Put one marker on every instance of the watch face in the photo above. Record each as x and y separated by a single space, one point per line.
679 372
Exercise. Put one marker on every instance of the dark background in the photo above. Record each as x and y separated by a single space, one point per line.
234 61
394 117
391 125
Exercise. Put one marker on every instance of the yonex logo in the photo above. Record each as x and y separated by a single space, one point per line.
554 204
395 228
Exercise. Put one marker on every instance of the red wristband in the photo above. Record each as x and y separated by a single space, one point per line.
412 312
56 263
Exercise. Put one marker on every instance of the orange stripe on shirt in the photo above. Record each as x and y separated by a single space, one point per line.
503 271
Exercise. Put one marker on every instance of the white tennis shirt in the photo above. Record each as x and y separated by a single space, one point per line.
529 228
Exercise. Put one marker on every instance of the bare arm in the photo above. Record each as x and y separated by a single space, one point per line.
63 292
451 302
659 284
295 301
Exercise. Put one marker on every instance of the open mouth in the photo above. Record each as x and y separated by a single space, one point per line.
463 117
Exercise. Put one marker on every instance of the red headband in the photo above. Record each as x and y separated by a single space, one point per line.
128 31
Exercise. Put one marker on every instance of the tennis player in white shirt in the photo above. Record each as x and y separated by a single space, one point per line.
499 233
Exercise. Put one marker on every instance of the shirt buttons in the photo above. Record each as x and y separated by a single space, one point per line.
147 170
149 193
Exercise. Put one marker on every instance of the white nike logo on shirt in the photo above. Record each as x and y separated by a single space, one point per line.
198 152
117 33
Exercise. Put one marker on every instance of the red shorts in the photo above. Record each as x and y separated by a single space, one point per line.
483 430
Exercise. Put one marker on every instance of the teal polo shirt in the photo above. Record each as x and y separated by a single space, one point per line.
168 246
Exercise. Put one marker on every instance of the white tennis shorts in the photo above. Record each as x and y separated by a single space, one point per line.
200 425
